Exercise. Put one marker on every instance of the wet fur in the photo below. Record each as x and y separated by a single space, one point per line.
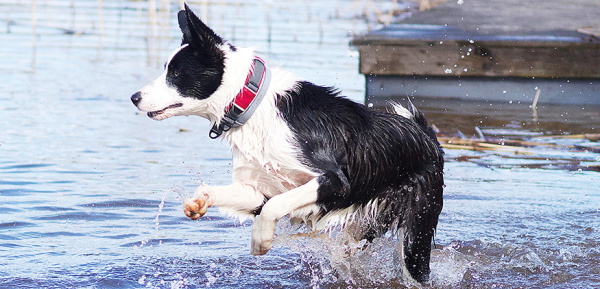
306 152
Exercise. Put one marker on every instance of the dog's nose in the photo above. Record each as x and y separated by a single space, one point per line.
136 98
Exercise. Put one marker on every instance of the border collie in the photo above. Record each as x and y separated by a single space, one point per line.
301 150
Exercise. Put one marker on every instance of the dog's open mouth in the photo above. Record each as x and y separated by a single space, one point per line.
159 112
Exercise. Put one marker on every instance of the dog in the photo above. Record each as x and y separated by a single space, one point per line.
301 150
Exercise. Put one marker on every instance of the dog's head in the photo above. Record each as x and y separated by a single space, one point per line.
193 73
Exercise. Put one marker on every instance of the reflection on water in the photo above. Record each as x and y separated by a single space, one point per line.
89 188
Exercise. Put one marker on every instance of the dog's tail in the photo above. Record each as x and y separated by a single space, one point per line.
413 113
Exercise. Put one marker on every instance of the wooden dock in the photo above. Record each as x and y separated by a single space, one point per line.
542 51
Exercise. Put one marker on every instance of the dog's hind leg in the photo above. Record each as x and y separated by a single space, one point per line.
419 231
278 206
417 251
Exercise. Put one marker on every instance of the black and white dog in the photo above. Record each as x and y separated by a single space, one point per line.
302 151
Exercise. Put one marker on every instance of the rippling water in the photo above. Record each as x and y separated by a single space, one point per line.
89 188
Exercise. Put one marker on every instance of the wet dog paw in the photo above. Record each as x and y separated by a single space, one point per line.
261 248
195 208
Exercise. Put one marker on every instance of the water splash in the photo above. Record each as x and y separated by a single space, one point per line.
156 221
336 258
472 262
160 209
182 194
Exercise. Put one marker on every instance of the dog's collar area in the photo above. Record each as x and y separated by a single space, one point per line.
246 101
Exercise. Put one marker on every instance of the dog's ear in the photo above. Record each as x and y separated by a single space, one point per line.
195 32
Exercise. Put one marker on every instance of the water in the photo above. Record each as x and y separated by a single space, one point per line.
89 187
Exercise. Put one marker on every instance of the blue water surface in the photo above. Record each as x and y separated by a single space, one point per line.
90 188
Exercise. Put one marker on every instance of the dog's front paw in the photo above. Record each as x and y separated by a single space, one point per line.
263 233
261 249
196 208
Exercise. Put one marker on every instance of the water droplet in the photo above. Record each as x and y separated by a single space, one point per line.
448 70
460 2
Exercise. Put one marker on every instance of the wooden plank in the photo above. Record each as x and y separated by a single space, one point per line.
510 38
503 58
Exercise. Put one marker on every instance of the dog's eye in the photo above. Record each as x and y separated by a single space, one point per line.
175 73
